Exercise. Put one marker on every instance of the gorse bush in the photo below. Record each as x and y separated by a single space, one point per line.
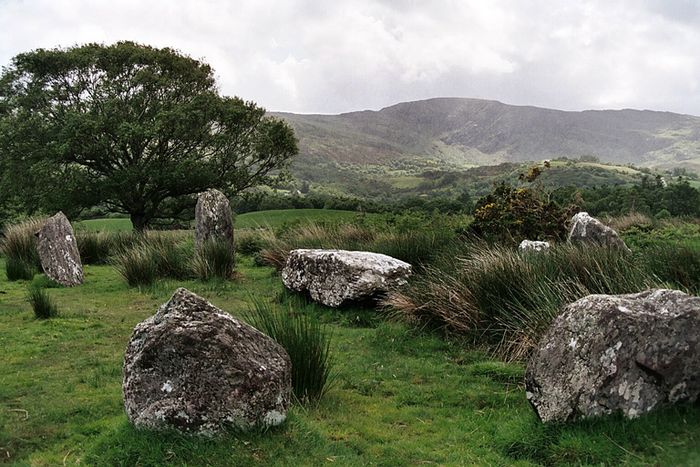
214 259
515 214
42 304
19 248
505 299
306 341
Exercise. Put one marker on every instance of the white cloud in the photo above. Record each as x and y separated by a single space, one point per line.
312 56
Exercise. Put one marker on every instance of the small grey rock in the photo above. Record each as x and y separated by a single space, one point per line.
193 368
617 353
527 246
587 229
333 277
58 251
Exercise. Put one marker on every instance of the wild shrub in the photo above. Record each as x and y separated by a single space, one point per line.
19 248
506 300
42 304
514 214
214 259
306 341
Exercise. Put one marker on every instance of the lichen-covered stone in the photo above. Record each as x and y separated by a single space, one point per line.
213 219
333 277
193 368
587 229
617 353
527 246
58 251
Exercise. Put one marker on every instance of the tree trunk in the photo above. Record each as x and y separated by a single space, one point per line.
140 221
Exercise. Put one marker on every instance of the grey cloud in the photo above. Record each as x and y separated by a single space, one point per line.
328 57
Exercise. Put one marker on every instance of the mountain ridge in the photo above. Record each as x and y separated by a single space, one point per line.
470 132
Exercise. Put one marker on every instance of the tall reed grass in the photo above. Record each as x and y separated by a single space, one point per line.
19 248
507 300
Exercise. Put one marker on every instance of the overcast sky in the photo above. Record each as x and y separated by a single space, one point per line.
341 55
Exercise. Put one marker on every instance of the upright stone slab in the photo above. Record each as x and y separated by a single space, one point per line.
193 368
213 219
333 277
587 229
58 251
617 353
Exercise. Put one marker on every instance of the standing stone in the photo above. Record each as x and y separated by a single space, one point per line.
213 219
58 251
333 277
587 229
617 353
193 368
527 246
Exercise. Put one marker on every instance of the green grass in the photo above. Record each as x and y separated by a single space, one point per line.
105 225
250 220
400 397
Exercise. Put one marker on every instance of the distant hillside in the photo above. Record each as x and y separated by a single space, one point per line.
455 132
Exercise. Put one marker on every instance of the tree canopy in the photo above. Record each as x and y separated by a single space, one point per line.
130 127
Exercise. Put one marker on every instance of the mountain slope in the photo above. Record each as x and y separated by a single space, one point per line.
469 132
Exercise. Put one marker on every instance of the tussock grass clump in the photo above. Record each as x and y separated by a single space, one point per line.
152 257
18 269
306 341
137 265
19 248
42 304
99 247
214 259
507 300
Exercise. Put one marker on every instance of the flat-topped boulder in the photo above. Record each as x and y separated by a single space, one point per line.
58 251
587 229
193 368
213 219
333 277
528 246
617 353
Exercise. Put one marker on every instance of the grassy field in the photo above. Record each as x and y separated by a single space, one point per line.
400 397
250 220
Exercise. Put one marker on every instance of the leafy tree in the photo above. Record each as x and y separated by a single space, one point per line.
134 128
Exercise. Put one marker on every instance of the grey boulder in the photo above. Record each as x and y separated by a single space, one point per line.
193 368
213 219
527 246
333 277
587 229
617 353
58 251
